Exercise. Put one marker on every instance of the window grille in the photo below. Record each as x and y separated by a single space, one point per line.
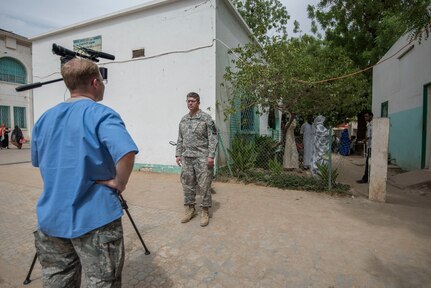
138 53
12 71
5 115
244 123
19 117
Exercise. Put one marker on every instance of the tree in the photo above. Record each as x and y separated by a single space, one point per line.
366 29
285 74
266 19
416 16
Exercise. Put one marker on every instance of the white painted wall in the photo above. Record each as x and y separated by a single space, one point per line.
230 33
21 51
401 79
149 92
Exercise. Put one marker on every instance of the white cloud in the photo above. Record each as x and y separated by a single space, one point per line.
22 27
32 17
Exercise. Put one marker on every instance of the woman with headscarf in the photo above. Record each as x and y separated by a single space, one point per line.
290 157
321 144
17 138
307 140
344 143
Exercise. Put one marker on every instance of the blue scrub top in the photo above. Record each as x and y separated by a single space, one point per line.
74 144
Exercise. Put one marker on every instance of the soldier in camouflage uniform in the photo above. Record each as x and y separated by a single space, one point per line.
85 156
196 147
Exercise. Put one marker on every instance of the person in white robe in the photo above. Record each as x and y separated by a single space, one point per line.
290 157
307 140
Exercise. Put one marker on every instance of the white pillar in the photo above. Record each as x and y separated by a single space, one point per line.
379 159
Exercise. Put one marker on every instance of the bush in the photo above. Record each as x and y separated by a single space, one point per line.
243 157
285 180
323 174
275 167
265 151
257 163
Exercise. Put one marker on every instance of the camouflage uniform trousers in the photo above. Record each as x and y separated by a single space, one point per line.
196 173
100 252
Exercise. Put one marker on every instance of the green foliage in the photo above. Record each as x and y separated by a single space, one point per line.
281 75
367 29
286 180
285 74
323 174
265 150
243 156
416 15
263 17
275 167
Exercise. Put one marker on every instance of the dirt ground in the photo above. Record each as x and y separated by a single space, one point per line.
257 237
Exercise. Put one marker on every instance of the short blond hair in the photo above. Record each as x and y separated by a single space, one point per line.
78 73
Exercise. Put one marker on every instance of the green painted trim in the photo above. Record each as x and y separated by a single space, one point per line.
424 125
384 106
172 169
405 137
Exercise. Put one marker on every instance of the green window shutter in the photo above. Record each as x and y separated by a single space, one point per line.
19 117
5 115
12 71
247 119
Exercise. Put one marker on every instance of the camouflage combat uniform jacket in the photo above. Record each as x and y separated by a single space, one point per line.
197 136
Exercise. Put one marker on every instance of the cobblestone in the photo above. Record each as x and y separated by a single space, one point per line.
258 237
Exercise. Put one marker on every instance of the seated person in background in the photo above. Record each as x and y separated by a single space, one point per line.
4 137
17 138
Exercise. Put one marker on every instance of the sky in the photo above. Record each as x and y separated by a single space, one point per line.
30 18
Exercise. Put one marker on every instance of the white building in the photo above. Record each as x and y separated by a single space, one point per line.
163 50
402 91
15 70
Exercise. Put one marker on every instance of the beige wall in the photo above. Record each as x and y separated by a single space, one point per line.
19 48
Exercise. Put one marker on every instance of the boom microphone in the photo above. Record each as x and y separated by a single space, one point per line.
57 49
98 54
40 84
67 55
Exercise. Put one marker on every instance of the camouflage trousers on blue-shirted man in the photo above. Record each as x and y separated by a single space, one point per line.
100 253
196 174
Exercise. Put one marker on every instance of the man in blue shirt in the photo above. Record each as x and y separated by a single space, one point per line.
85 156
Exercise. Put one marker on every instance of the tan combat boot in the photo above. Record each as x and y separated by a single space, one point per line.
205 217
189 213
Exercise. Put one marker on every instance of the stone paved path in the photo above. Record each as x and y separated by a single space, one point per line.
257 237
